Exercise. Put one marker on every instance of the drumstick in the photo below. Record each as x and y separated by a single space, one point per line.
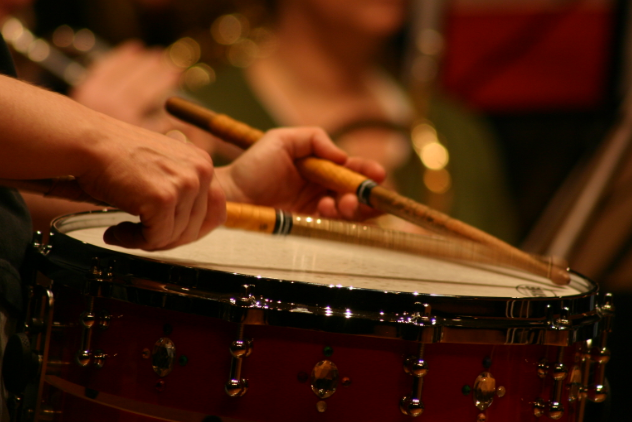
343 180
269 220
272 221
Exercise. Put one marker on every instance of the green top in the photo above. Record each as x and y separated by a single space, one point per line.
481 197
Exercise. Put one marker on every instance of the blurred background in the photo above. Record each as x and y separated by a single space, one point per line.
494 111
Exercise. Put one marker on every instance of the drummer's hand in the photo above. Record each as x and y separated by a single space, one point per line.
266 175
169 184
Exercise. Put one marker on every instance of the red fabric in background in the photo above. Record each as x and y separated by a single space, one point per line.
528 61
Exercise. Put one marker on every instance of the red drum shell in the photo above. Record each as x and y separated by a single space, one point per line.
278 368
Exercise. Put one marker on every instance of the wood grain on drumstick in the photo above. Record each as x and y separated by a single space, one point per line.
271 221
343 180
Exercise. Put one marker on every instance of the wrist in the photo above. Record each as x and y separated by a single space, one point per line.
231 191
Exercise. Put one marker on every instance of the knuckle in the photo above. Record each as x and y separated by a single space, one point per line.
165 197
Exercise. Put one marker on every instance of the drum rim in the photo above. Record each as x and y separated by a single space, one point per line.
233 305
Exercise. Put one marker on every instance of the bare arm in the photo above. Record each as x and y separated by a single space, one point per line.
170 185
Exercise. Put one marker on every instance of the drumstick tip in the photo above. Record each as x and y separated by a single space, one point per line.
560 275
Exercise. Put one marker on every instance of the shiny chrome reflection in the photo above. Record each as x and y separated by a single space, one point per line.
324 379
163 356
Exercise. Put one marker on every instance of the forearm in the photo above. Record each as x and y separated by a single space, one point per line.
43 134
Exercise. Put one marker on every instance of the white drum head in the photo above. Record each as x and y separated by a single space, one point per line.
335 264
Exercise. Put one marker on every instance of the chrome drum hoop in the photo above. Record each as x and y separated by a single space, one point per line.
249 299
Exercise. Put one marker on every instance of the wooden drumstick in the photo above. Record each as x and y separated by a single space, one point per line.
343 180
272 221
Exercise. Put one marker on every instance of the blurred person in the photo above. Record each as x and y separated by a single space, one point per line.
130 83
325 70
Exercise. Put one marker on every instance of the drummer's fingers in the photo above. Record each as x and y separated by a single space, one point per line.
207 216
323 147
125 234
308 141
349 208
155 230
372 169
189 225
215 209
327 208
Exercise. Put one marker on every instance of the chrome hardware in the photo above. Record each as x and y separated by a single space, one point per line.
412 406
543 368
247 295
556 410
321 406
421 316
236 388
163 356
484 390
104 319
87 319
48 413
575 384
564 320
600 354
83 357
558 373
538 408
99 358
239 349
415 366
324 379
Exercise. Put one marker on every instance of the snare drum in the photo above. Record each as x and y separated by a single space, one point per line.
244 326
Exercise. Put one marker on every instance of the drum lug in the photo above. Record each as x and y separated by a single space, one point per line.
324 379
99 281
239 349
539 406
25 355
559 371
562 323
600 354
96 280
416 366
163 357
86 321
484 390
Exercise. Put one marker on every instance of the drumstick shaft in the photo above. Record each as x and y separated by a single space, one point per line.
343 180
271 221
